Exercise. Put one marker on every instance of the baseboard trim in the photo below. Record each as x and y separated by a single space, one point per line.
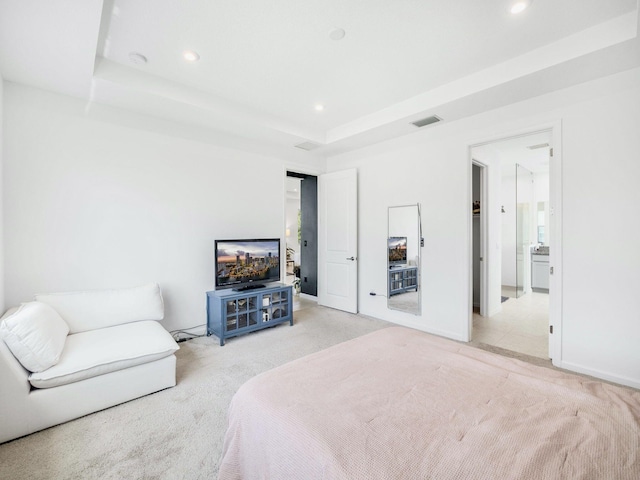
599 374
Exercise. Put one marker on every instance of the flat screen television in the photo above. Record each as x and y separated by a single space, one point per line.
247 264
397 247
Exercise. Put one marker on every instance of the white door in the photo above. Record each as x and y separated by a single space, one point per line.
338 240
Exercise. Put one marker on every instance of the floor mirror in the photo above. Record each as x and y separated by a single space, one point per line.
404 242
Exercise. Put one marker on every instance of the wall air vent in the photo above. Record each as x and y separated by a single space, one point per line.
540 145
307 146
427 121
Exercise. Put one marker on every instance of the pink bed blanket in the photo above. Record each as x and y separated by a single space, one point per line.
402 404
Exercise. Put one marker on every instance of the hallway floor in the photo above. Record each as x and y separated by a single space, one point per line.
300 301
522 325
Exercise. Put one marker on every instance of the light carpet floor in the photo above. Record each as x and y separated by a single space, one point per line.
178 433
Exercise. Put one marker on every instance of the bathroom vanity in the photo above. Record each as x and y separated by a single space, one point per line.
540 269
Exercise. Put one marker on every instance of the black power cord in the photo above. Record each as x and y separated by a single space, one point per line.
176 334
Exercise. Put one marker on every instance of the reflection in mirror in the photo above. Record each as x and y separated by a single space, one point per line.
403 258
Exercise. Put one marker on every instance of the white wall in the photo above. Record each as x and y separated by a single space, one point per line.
2 302
600 254
92 203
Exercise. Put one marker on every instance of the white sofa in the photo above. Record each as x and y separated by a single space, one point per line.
84 351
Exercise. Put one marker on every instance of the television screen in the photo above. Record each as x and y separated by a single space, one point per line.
397 250
244 264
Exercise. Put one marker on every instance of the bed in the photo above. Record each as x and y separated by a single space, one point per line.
403 404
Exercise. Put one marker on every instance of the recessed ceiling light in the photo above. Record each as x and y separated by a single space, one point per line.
337 33
319 107
137 58
191 56
519 6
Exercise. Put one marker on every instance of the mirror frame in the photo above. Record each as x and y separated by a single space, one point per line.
402 279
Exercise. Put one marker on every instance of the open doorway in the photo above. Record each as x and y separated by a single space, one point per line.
518 223
301 233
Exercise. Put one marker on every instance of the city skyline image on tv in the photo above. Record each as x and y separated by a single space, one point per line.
246 261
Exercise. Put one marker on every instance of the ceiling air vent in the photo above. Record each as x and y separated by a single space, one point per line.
540 145
427 121
307 146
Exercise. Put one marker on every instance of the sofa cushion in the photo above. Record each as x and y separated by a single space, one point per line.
35 334
95 309
96 352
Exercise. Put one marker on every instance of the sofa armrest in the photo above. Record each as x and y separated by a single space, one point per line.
91 310
13 376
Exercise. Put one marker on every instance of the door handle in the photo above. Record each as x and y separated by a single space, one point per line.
351 258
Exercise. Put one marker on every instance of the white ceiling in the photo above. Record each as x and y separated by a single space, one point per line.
264 65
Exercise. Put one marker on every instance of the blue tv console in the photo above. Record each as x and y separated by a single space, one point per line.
231 313
403 279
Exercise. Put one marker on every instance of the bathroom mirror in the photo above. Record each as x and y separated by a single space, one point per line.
404 241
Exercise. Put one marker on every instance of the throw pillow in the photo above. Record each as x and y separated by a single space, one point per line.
35 334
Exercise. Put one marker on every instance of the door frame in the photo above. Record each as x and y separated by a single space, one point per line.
296 169
308 256
484 280
555 230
